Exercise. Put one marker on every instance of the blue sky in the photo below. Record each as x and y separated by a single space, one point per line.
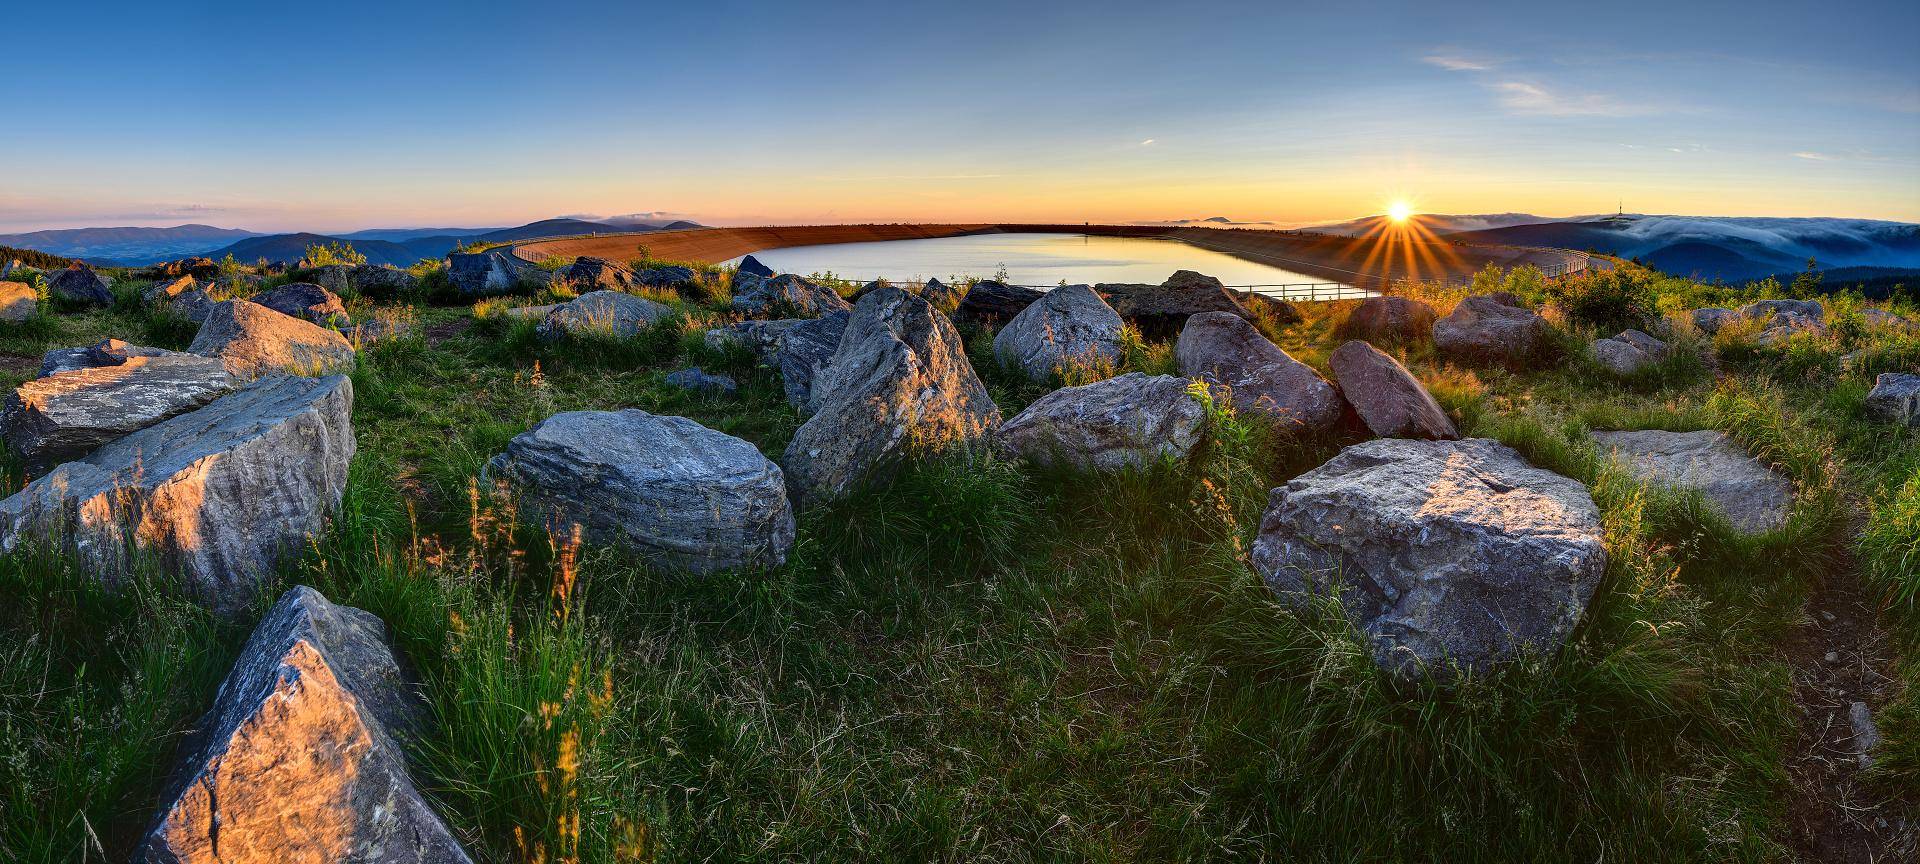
384 114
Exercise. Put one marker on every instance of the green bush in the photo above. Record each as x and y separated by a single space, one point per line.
1608 300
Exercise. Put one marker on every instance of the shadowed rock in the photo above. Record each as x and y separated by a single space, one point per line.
607 312
670 277
59 417
184 297
18 301
373 280
1895 398
788 296
306 301
804 349
1709 321
1386 396
1785 325
1482 328
299 758
1161 311
701 381
990 303
1439 551
107 352
1068 326
944 297
1391 320
254 340
678 494
1628 352
80 284
495 271
900 381
1737 486
220 495
1132 421
588 273
752 266
1765 309
1222 349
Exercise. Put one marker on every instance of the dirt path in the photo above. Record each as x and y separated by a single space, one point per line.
1841 656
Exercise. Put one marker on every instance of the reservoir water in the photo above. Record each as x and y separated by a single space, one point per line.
1036 260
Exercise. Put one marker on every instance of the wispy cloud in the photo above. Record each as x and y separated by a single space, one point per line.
1524 97
1812 156
1147 143
1459 61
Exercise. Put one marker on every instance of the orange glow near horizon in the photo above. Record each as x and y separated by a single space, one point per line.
1400 211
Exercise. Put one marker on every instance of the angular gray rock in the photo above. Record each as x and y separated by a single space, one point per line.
64 416
381 282
306 301
1132 421
220 495
788 296
679 495
1769 308
18 301
752 265
1160 311
1895 398
254 340
899 383
1628 352
107 352
1785 325
802 350
300 758
606 312
1441 552
991 303
667 276
184 296
588 273
80 284
944 297
760 336
1226 351
496 271
1481 328
376 330
1393 320
1881 319
701 381
1387 397
337 278
1068 326
1736 485
1709 321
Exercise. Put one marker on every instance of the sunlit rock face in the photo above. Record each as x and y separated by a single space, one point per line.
1237 362
1133 421
220 494
1068 326
18 301
298 760
183 296
669 490
254 340
306 301
107 352
64 416
1749 494
1443 554
900 381
1386 396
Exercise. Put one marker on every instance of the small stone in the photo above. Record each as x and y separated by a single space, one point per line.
700 381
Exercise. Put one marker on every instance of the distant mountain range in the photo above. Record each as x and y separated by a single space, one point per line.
1727 248
400 247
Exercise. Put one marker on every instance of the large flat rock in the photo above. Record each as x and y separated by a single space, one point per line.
1750 495
221 494
680 495
298 760
1440 552
63 416
1131 421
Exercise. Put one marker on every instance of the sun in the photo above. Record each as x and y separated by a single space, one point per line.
1400 212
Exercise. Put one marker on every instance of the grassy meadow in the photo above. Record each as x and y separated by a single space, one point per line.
982 661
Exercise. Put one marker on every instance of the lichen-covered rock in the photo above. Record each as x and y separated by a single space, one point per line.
1895 398
701 381
1709 321
306 301
184 296
1482 328
64 416
804 349
80 284
605 312
1747 493
1226 351
672 491
299 759
899 382
478 274
221 494
991 303
1785 325
107 352
254 340
788 296
1132 421
1386 396
1067 327
1441 552
18 301
1392 320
